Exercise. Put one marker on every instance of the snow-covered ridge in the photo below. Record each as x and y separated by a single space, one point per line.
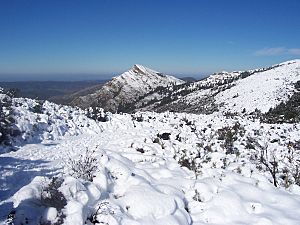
262 90
236 92
224 76
139 74
126 88
139 69
220 77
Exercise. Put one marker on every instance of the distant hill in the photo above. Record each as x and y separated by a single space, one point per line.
188 79
56 91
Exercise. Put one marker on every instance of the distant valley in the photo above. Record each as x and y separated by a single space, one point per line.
56 91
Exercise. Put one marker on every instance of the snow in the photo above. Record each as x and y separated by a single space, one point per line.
207 171
50 215
261 90
55 122
143 79
131 187
237 92
128 87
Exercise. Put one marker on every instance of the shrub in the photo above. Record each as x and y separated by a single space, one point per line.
6 118
98 114
164 136
103 209
245 74
229 135
51 196
85 166
189 161
38 107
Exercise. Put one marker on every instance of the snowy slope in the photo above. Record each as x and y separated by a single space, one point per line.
126 88
35 121
228 91
145 177
261 90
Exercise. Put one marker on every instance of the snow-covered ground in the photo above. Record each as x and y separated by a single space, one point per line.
141 174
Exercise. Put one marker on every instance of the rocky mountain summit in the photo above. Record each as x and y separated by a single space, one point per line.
126 88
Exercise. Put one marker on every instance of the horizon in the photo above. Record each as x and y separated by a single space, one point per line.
76 40
69 77
76 78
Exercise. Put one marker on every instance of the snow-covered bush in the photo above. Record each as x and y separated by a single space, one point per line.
188 162
98 114
229 135
38 107
6 118
41 202
53 199
26 120
103 210
85 166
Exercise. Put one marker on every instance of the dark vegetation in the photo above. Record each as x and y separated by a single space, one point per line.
7 130
97 114
285 112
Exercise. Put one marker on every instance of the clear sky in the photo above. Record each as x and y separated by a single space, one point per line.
55 39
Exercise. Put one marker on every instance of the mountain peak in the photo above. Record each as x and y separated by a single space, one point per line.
140 69
126 88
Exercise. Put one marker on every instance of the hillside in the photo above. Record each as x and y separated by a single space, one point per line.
261 90
126 88
235 92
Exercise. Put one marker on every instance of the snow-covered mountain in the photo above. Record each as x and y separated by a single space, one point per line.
126 89
235 92
142 89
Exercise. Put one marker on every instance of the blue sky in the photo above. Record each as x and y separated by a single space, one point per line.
56 39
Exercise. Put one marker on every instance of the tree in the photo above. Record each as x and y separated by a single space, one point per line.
270 163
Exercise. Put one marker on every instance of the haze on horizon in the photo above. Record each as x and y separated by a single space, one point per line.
79 40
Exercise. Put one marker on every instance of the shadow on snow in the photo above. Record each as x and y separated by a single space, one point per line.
16 173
